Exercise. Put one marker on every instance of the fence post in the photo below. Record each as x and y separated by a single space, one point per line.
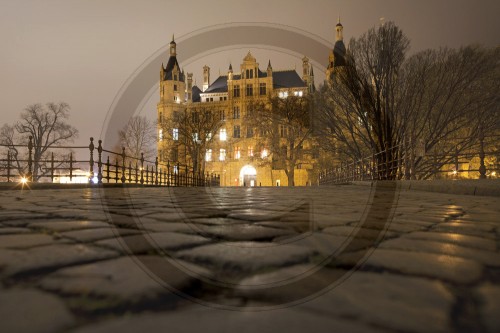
129 172
122 178
116 170
52 167
8 166
91 160
168 173
156 170
30 159
99 163
71 166
482 166
108 165
142 168
136 172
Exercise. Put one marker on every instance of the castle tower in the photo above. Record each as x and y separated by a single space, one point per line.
206 77
189 88
173 47
336 58
230 72
339 30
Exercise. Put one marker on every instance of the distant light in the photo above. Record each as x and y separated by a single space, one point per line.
494 173
24 180
95 180
454 172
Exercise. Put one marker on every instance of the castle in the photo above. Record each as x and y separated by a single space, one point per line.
236 151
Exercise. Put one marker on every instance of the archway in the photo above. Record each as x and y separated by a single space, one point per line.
248 176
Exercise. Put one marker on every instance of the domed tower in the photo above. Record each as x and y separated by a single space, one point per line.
336 58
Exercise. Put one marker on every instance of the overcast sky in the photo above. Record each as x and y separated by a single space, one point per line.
82 51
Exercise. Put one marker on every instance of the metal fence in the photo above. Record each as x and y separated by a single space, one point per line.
22 164
399 166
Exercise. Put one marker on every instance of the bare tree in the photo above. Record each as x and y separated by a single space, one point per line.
436 100
46 126
449 99
139 136
285 124
358 108
193 130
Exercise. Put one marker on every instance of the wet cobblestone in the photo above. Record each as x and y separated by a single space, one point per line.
150 259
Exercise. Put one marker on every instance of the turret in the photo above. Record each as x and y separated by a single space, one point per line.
189 89
173 48
206 77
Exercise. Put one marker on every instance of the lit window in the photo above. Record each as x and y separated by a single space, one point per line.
262 89
283 94
175 134
236 131
222 155
160 135
223 134
249 90
250 151
208 155
236 112
209 136
237 152
195 137
236 91
264 153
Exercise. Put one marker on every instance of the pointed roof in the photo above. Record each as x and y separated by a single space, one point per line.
230 67
249 57
338 22
173 40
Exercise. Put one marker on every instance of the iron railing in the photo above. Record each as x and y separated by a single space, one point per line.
103 166
399 166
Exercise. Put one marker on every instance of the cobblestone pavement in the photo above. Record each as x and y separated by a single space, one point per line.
321 259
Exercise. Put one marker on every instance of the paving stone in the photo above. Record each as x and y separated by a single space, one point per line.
68 225
248 256
90 235
126 279
12 230
167 227
150 241
30 310
440 266
213 321
490 258
455 238
365 233
473 229
403 303
490 306
242 232
25 240
49 257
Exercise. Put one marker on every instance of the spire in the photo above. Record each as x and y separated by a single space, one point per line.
338 31
173 51
230 67
269 64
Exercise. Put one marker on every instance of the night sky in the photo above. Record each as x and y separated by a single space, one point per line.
82 51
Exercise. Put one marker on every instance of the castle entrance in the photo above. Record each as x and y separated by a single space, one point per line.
248 176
